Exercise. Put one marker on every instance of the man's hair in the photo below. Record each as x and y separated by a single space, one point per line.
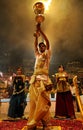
61 66
19 68
41 43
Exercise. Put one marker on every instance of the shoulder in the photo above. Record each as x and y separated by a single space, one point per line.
56 74
48 52
36 53
65 73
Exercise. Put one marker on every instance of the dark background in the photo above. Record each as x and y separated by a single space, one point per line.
63 25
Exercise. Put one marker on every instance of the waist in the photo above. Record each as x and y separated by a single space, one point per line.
42 77
41 71
63 86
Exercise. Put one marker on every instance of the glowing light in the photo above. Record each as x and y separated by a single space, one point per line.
47 4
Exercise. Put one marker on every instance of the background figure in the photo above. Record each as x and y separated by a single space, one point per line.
18 98
27 84
40 83
73 91
64 101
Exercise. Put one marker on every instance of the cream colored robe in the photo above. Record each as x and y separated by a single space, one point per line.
39 97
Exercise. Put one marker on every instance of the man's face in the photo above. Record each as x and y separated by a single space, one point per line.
61 69
42 48
19 71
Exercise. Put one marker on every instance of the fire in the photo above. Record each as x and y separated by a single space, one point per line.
47 4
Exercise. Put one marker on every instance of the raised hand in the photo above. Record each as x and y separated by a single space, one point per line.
38 26
36 34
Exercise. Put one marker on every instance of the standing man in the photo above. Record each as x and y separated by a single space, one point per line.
40 83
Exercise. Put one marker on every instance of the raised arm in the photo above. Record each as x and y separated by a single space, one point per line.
36 35
46 39
36 43
43 35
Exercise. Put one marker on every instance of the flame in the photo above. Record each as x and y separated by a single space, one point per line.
47 4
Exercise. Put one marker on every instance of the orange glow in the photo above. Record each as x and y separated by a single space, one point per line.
47 4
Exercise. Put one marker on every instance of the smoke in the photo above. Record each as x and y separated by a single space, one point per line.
63 26
65 30
16 29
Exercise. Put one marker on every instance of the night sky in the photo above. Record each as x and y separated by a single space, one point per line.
63 26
